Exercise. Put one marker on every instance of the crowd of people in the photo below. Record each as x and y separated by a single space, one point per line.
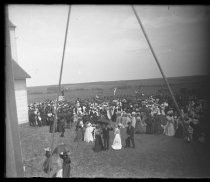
153 114
95 118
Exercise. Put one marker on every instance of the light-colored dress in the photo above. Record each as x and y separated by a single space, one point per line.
109 114
88 136
59 174
124 120
118 119
169 129
128 121
133 121
117 140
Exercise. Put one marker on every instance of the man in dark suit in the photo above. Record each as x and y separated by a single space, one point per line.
105 132
130 138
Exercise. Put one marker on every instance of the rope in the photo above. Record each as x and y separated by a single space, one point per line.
163 75
59 90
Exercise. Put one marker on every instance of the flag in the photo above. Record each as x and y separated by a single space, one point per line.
115 89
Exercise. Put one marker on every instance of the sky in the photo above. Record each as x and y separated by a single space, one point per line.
106 43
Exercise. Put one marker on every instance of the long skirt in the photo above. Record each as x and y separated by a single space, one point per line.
66 170
98 144
88 136
169 130
117 142
179 131
157 127
149 129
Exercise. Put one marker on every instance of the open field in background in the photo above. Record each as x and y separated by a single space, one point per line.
148 86
154 156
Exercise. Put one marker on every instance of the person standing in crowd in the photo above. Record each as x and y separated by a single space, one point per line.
66 164
79 131
124 119
179 129
156 124
88 136
38 119
62 126
114 115
169 128
138 128
133 119
117 145
148 121
128 119
32 118
105 132
130 136
118 119
98 141
51 121
196 129
109 113
46 165
69 119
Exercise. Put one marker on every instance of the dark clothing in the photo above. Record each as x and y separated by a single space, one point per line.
130 131
157 125
148 121
32 119
51 120
130 138
79 135
46 163
66 166
179 131
196 131
114 116
83 132
104 112
61 127
105 132
38 121
98 143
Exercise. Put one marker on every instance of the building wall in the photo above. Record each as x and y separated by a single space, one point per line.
21 101
13 44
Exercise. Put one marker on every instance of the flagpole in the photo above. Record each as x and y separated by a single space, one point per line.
161 70
59 90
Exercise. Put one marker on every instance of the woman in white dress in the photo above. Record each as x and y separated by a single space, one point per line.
169 129
88 136
117 139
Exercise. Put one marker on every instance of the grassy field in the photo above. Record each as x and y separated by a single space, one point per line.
154 156
148 86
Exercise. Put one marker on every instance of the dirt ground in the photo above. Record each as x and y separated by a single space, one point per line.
155 156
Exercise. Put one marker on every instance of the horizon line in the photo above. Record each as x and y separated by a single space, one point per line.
205 75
